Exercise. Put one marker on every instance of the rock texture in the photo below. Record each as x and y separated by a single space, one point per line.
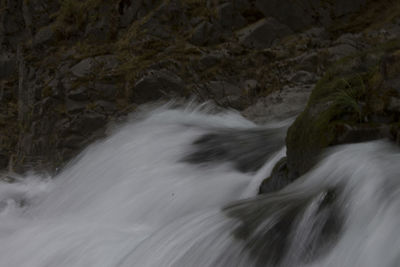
67 68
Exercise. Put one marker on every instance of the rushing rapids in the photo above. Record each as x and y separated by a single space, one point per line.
178 187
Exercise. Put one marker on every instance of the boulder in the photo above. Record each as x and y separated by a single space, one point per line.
277 180
351 103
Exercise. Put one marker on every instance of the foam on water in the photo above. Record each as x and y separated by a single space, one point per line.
130 200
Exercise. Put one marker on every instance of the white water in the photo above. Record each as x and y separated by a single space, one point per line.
130 201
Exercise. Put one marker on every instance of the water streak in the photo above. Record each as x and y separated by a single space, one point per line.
134 199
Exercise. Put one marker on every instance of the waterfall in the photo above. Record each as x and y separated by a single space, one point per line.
178 187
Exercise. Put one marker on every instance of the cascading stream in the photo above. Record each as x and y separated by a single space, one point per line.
178 187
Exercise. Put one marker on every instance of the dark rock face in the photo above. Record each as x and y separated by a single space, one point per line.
279 178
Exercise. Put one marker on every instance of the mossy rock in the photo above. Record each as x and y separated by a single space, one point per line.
349 104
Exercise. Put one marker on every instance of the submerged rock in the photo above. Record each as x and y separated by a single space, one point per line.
269 225
278 179
247 150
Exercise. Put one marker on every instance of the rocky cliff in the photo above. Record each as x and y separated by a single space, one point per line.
69 68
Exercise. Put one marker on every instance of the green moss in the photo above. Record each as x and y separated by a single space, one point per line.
349 92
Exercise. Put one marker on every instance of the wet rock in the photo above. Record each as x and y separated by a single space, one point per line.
278 179
351 105
263 33
269 222
248 150
347 134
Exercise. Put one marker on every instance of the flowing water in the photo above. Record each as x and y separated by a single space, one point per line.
178 187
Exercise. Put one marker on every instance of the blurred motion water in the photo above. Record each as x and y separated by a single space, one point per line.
178 187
